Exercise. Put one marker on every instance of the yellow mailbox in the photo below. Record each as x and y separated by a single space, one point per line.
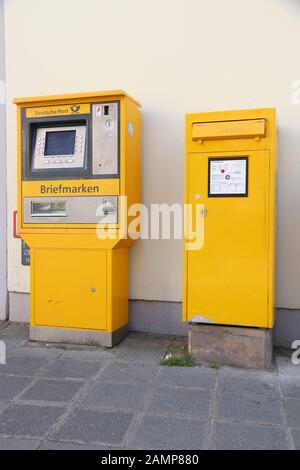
230 178
78 157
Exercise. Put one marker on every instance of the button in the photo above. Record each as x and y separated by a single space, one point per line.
46 161
58 161
70 160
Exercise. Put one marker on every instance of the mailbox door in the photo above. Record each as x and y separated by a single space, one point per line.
70 288
227 279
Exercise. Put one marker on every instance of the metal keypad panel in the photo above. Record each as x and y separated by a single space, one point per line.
105 139
41 161
71 210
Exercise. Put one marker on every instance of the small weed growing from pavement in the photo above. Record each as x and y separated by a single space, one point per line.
176 361
177 354
214 366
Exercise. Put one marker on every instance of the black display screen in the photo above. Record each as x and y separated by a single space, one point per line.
60 142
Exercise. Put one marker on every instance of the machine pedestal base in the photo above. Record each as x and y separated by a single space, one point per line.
88 337
230 345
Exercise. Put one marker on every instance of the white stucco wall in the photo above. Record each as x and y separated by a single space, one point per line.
175 56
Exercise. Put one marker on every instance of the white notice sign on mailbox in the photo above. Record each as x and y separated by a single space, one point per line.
228 177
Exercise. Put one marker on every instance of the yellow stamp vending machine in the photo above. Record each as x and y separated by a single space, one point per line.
230 176
78 158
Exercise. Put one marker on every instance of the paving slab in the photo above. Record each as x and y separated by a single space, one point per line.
248 407
28 420
44 353
37 348
245 436
296 437
10 386
159 432
238 380
141 354
52 390
72 368
98 355
292 407
180 401
12 343
143 338
3 404
285 365
21 362
128 372
142 349
15 330
18 444
194 377
290 385
131 401
117 396
53 445
92 426
64 346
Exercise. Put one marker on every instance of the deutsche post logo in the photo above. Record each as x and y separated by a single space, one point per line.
63 110
75 108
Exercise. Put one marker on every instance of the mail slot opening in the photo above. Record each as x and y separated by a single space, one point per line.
48 209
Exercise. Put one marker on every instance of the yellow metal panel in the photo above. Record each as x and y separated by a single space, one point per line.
19 169
70 288
228 277
131 185
51 111
230 280
68 238
246 143
119 286
69 188
89 96
229 129
87 187
78 280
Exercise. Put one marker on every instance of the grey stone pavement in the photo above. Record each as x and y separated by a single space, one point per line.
72 397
